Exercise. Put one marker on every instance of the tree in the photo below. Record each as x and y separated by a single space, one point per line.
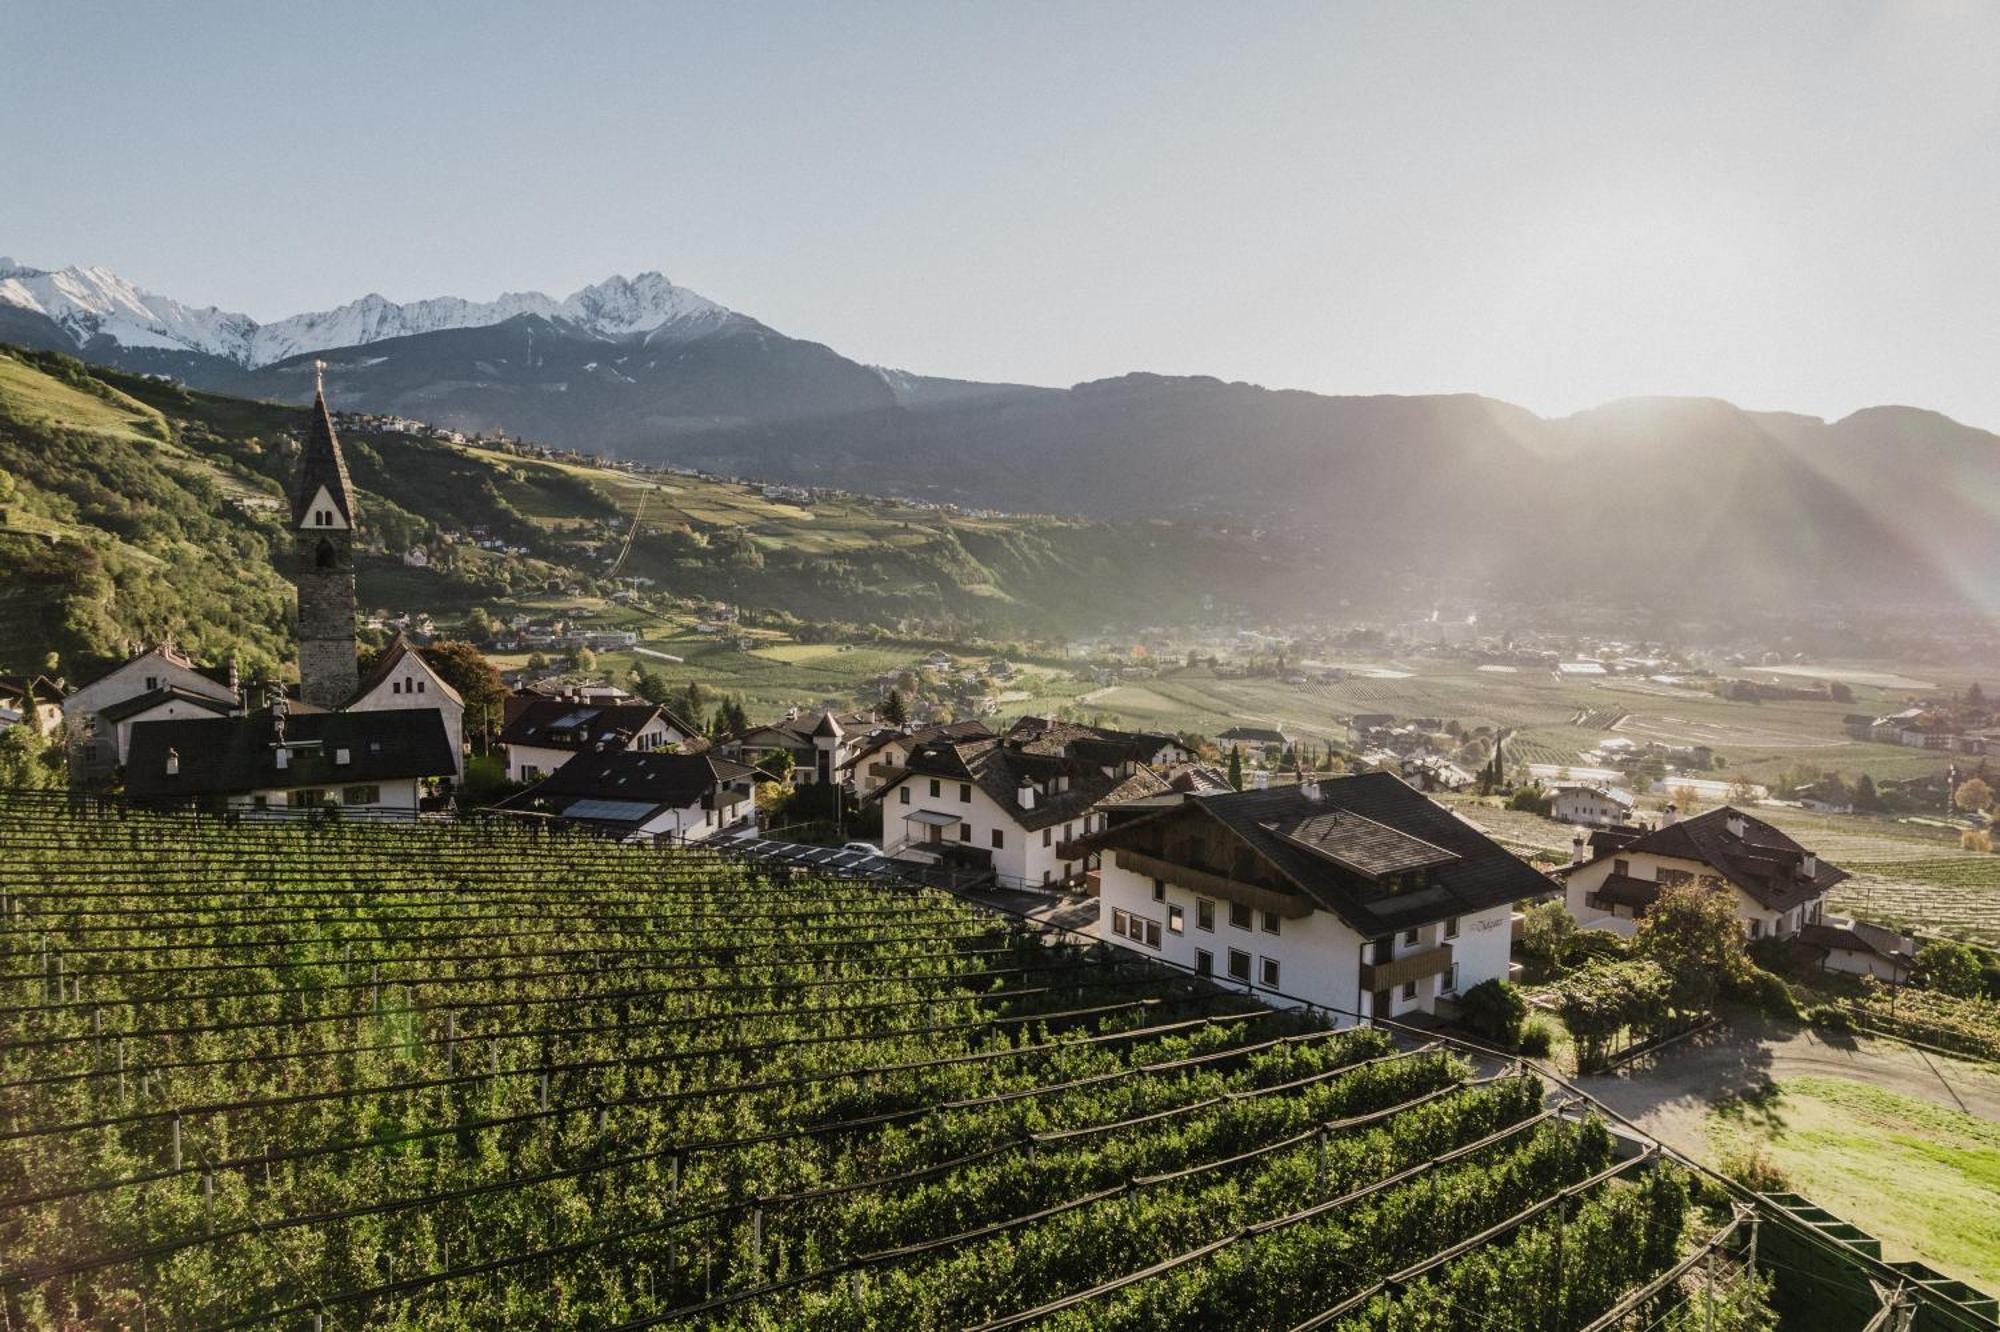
466 669
1692 933
1236 767
692 705
1532 798
1549 932
1950 968
1494 1009
1602 1000
652 686
584 660
1652 769
894 711
28 762
1973 796
479 626
1686 799
1865 796
1742 790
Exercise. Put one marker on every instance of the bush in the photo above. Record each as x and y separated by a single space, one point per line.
1831 1017
1549 932
1754 1169
1494 1009
1768 992
1952 968
1538 1038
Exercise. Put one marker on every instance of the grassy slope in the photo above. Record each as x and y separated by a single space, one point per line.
1919 1176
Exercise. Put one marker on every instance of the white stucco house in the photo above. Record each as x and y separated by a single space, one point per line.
1778 885
402 680
1356 894
886 750
135 687
1595 806
543 734
1857 948
630 794
1009 805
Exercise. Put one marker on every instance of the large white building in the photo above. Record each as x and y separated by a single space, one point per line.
1777 885
1356 894
1596 806
543 734
158 683
1008 805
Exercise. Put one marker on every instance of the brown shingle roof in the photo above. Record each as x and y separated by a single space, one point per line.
1763 862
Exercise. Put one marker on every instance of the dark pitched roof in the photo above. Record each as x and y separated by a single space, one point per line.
39 687
322 464
798 732
1256 735
392 657
1471 872
235 755
152 698
1098 767
1763 861
970 729
622 787
555 723
1858 936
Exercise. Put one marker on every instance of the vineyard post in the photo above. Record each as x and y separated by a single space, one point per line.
177 1142
208 1200
1708 1322
757 1240
677 1177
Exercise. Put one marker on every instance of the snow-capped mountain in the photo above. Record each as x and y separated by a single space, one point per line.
92 303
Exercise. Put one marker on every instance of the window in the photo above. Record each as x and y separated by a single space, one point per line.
420 687
1409 989
1204 914
999 839
965 793
1176 920
1267 972
152 683
1048 835
1409 937
308 798
1756 928
964 832
1066 831
1239 964
1621 866
1120 922
904 791
936 788
1204 962
1239 915
395 686
1270 922
360 795
1159 890
1451 927
1045 878
1448 983
1152 934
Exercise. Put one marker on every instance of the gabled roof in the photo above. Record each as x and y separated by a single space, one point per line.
322 464
555 723
623 787
1470 872
1858 936
878 740
235 755
153 698
39 687
1255 735
392 657
1762 861
1099 767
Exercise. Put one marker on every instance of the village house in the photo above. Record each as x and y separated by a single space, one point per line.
821 743
151 679
1009 805
1254 737
1858 948
33 699
633 794
541 735
1357 894
373 763
1778 886
401 680
882 752
1596 806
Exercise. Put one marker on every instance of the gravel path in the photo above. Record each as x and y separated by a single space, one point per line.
1669 1093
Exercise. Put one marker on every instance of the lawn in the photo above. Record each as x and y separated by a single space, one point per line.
1919 1176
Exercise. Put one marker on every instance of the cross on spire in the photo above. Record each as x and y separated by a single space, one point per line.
319 378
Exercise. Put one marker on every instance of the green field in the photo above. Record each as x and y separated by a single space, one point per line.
1919 1176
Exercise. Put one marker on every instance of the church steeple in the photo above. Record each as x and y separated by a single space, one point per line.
323 513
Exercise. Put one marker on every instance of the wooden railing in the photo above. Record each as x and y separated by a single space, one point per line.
1432 961
1292 906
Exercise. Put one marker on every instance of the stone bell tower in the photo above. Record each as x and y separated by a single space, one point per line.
323 544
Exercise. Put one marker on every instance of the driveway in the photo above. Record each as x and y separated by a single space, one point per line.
1669 1093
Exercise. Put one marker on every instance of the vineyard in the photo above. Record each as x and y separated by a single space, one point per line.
332 1076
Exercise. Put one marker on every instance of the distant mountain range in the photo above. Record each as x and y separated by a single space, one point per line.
1678 502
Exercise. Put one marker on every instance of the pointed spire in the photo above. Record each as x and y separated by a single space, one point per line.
322 464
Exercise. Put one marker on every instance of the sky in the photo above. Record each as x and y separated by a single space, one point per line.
1795 206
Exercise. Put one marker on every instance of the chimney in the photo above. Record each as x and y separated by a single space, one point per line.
173 763
1578 852
1735 825
1668 816
283 758
1024 794
1309 788
1809 867
1261 779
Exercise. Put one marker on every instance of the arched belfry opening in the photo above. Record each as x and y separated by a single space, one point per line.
324 557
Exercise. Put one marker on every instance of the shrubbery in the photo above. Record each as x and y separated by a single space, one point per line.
1494 1009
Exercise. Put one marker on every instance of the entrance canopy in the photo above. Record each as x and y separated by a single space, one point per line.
932 817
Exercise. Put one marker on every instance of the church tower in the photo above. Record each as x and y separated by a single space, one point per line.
323 544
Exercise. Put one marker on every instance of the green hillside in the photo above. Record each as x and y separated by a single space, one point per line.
132 508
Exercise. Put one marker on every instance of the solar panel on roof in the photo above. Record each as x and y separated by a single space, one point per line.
623 811
570 719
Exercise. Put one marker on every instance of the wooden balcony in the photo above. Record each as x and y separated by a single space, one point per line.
1291 906
1432 961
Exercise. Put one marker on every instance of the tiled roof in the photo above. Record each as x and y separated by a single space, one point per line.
647 783
556 723
1044 755
153 698
1763 862
1480 874
1858 936
392 657
235 755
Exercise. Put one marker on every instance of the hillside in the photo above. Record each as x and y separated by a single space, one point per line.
135 509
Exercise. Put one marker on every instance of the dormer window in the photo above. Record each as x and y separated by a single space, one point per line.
341 757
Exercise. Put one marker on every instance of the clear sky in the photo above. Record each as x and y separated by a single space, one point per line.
1791 205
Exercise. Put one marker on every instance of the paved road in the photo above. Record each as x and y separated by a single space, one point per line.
1669 1093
